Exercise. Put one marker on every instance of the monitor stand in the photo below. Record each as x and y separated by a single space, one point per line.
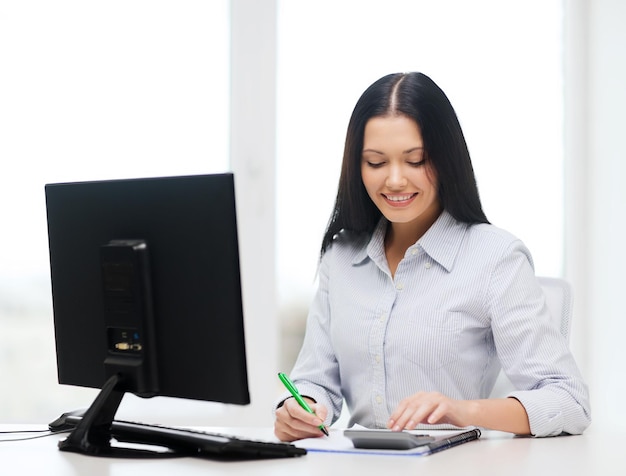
130 364
92 436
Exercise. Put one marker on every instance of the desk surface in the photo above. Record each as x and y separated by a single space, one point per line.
496 453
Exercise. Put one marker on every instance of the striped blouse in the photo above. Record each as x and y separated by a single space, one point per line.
464 302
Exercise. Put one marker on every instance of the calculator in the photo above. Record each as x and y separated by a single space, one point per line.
387 439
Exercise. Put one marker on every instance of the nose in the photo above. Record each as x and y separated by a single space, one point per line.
396 179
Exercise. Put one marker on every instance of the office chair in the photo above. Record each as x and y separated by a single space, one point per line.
558 294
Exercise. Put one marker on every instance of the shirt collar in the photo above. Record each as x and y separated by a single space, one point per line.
441 242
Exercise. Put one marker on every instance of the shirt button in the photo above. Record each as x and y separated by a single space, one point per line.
428 265
379 399
413 251
377 358
399 286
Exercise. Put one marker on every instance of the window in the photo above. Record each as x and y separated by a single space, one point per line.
93 90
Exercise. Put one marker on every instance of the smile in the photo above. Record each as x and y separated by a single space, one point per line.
399 198
400 201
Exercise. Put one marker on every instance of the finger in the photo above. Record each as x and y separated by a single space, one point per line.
299 413
282 426
396 415
438 413
287 428
402 420
408 406
283 432
286 433
306 422
320 411
413 415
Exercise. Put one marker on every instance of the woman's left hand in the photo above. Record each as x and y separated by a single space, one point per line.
430 408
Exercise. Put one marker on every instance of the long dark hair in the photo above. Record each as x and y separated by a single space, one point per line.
416 96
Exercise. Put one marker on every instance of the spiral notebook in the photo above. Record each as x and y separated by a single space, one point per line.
342 441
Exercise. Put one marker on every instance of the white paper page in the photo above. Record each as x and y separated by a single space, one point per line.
336 442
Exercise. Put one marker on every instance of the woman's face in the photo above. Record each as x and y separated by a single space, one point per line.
398 179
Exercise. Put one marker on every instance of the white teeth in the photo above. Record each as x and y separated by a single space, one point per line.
398 198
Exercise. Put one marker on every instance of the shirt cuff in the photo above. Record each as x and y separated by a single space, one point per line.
543 408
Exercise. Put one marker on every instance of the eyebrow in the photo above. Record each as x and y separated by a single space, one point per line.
408 151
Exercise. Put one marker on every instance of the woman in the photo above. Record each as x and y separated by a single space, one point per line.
420 299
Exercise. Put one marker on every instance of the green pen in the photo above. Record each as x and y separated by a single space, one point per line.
296 394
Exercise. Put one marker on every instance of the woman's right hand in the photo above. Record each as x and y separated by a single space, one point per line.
294 423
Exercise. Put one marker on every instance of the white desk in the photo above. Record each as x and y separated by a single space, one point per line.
596 452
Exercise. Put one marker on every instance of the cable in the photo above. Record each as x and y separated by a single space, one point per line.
40 434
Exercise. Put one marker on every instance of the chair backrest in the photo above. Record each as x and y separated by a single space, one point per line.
558 294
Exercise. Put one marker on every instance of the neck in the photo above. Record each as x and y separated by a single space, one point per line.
400 236
406 234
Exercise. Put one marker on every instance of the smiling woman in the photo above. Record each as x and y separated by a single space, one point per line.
497 75
415 247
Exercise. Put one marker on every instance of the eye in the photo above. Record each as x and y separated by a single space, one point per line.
374 164
418 163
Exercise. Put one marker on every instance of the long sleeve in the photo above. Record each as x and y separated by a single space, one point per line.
533 353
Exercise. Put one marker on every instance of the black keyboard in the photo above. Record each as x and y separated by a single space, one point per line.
195 442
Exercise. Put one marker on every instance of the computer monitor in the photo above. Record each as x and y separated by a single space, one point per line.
146 293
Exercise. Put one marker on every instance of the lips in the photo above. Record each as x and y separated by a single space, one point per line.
399 200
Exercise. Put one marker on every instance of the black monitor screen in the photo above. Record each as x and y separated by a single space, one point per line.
146 285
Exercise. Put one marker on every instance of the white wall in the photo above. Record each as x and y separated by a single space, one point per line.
596 197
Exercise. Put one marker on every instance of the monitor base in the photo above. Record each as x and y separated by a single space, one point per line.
92 436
